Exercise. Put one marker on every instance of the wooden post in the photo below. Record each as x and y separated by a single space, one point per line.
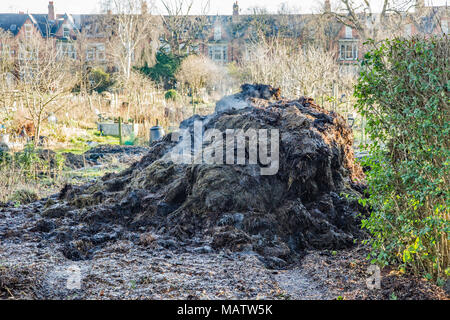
334 96
120 130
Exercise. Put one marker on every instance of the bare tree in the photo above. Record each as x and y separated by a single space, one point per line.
297 71
182 29
7 44
45 77
361 16
132 32
198 72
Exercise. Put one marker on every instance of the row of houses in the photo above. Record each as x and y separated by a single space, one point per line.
225 38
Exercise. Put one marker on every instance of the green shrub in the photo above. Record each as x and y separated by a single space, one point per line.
100 81
403 90
164 70
171 94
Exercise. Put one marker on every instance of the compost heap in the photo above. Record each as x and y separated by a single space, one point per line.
310 203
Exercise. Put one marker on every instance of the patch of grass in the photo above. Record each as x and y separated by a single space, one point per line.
80 144
80 176
24 196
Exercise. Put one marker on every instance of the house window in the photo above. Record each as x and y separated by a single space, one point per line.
28 30
27 53
194 49
67 49
348 69
5 50
66 31
444 27
408 30
348 50
26 73
101 52
95 52
90 53
348 32
217 33
218 53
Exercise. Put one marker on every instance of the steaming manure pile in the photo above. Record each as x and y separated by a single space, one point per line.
305 198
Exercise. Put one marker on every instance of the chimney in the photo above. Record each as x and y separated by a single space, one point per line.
144 7
21 12
235 9
51 11
327 6
420 6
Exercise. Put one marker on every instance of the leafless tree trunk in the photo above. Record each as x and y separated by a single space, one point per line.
360 15
297 71
131 31
182 29
45 77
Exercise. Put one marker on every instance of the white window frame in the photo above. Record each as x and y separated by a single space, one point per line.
90 53
444 26
348 32
66 30
26 73
96 52
348 50
408 30
27 53
217 33
67 49
28 30
101 52
218 53
5 50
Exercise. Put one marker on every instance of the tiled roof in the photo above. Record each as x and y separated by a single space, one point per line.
12 21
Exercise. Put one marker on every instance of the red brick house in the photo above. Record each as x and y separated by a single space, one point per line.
225 37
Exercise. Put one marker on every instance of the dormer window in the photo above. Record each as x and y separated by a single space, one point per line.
408 30
28 30
444 27
348 32
217 33
13 27
66 31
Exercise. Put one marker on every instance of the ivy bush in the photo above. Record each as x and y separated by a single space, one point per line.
171 94
403 91
164 70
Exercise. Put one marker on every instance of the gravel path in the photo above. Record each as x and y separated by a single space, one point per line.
299 286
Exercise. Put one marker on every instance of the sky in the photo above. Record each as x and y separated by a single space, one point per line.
216 6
